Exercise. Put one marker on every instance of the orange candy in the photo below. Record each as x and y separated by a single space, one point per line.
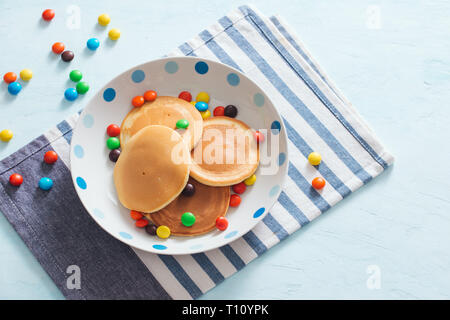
10 77
318 183
141 223
136 215
138 101
58 47
235 200
150 95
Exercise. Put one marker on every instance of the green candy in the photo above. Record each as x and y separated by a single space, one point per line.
113 143
82 87
182 124
187 219
75 75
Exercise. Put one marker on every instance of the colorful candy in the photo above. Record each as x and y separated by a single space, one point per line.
75 75
259 136
26 74
104 19
141 223
6 135
48 14
163 232
93 44
189 190
221 223
14 88
114 34
113 143
15 179
193 103
67 56
185 95
45 183
201 106
203 97
235 200
71 94
250 180
150 95
114 155
314 158
50 157
136 215
82 87
113 130
138 101
182 124
205 114
151 229
239 188
10 77
318 183
219 111
188 219
230 111
58 47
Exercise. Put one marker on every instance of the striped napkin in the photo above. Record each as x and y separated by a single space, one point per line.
63 237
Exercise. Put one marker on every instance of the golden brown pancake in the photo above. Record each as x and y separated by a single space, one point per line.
152 170
165 111
206 204
227 153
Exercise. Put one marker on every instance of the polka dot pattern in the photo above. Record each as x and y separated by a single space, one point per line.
138 76
259 212
159 247
274 191
281 158
125 235
231 234
201 67
258 99
275 127
98 213
81 183
78 151
88 121
109 94
171 67
233 79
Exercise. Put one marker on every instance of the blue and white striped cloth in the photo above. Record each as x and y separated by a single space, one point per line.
316 116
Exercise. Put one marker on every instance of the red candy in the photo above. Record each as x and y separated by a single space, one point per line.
141 223
259 137
150 95
10 77
136 215
113 130
185 95
235 200
50 157
15 179
221 223
48 14
138 101
58 47
239 188
318 183
219 111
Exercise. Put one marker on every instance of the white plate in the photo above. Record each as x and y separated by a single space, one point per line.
92 171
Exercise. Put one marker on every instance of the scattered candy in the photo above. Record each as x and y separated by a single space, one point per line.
10 77
114 34
14 88
104 19
163 232
182 124
259 136
188 190
219 111
221 223
45 183
136 215
82 87
75 75
48 14
185 95
114 155
71 94
26 74
93 44
239 188
150 95
138 101
15 179
50 157
113 130
188 219
205 114
203 97
141 223
250 180
314 158
318 183
193 103
151 229
6 135
58 47
113 143
235 200
230 111
201 106
67 56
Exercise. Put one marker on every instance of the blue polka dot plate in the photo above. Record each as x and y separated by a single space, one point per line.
92 171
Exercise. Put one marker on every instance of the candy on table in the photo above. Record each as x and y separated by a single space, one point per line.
205 114
201 106
45 183
6 135
203 97
230 111
26 74
15 179
189 190
250 180
182 124
113 130
14 88
113 143
219 111
150 95
75 75
235 200
114 155
318 183
10 77
82 87
93 44
138 101
104 19
259 136
114 34
163 232
188 219
50 157
67 56
48 14
185 95
136 215
151 229
239 188
314 158
141 223
71 94
221 223
58 47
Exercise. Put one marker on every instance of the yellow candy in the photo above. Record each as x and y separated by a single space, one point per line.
250 180
26 74
314 158
104 19
6 135
163 232
114 34
205 114
193 103
203 96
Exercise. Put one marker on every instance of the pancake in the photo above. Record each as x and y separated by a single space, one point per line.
152 170
165 111
206 204
227 153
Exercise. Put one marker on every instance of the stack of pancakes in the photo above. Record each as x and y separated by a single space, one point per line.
158 160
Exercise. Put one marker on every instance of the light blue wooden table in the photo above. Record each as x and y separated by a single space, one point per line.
389 240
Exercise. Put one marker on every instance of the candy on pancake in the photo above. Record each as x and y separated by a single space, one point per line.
227 153
152 170
206 204
165 111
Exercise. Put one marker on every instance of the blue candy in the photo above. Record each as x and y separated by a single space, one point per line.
93 44
71 94
201 106
45 183
14 87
